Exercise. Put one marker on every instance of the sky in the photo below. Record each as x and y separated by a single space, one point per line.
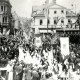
23 8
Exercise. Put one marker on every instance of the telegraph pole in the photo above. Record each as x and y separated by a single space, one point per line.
47 20
46 13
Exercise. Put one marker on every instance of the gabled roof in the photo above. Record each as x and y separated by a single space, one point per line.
57 6
39 10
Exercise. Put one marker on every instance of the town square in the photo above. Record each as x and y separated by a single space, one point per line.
39 40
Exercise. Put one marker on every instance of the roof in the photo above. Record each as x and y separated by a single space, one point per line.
70 13
39 10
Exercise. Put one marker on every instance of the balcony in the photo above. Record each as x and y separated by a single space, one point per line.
57 27
4 24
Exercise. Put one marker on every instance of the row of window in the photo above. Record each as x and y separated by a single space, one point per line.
55 21
2 8
62 12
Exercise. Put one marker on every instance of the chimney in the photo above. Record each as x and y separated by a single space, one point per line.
54 1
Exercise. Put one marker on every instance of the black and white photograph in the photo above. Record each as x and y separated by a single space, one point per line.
39 39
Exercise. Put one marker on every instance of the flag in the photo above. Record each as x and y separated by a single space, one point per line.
0 33
64 41
54 39
7 33
38 41
25 35
21 54
4 31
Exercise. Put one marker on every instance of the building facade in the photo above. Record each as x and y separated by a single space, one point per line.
5 15
52 16
16 22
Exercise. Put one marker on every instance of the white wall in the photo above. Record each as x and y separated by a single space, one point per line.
52 17
37 21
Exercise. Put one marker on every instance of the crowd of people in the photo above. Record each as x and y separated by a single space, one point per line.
27 62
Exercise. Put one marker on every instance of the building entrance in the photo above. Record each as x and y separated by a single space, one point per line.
74 39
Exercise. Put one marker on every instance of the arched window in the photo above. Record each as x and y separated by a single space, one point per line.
41 22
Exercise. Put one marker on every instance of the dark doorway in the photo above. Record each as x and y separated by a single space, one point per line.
74 39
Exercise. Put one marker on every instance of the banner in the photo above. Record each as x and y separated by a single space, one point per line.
64 41
4 31
7 33
38 41
21 54
54 39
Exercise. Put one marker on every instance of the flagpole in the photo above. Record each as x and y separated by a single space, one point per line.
47 19
46 14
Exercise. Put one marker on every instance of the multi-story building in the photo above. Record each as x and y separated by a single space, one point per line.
5 15
52 16
16 22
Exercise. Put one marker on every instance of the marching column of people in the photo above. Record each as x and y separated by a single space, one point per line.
45 63
43 69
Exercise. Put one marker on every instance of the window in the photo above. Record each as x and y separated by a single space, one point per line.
69 20
5 19
1 8
55 12
62 21
62 11
48 21
41 22
55 22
